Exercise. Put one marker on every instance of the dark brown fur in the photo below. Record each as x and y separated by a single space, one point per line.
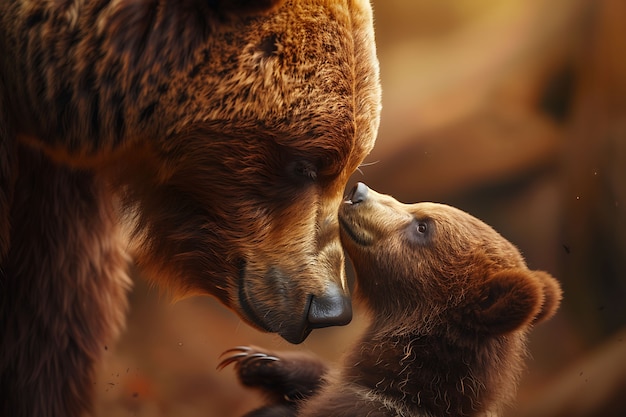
212 127
451 302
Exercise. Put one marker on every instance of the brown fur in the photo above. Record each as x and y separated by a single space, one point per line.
451 303
213 127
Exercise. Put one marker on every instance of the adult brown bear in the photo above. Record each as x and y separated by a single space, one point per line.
451 304
223 132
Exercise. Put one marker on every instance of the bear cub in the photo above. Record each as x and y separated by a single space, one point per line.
451 304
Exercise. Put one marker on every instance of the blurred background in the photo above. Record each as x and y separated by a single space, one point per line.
514 111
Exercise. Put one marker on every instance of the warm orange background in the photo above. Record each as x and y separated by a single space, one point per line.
512 110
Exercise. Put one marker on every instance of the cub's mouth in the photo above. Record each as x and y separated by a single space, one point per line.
348 230
351 216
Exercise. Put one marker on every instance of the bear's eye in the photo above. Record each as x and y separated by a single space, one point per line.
422 228
303 170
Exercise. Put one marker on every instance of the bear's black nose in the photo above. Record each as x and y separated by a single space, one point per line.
358 194
334 308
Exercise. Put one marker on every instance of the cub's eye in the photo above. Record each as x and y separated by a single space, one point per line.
421 231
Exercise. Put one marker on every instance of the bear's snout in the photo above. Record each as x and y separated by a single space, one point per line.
334 308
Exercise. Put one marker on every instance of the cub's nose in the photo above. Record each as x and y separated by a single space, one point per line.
358 194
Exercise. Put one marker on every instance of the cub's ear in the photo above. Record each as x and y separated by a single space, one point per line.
507 301
552 296
245 7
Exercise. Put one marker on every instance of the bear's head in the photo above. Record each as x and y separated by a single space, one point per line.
258 132
435 269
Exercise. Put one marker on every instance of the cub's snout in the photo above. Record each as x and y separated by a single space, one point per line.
366 217
358 194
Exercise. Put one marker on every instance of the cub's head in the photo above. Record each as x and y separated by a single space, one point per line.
440 269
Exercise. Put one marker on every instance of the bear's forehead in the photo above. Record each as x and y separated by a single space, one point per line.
307 73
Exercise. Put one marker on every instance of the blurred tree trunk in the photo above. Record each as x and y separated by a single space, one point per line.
594 224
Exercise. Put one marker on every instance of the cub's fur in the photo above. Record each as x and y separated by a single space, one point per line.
451 303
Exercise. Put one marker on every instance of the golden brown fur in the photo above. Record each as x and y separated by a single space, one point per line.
451 302
214 126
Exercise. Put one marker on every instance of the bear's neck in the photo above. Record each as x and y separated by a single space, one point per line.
429 375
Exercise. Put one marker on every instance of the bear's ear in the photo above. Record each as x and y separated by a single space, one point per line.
507 301
245 7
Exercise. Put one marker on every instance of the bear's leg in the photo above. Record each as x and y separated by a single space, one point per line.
63 292
285 377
